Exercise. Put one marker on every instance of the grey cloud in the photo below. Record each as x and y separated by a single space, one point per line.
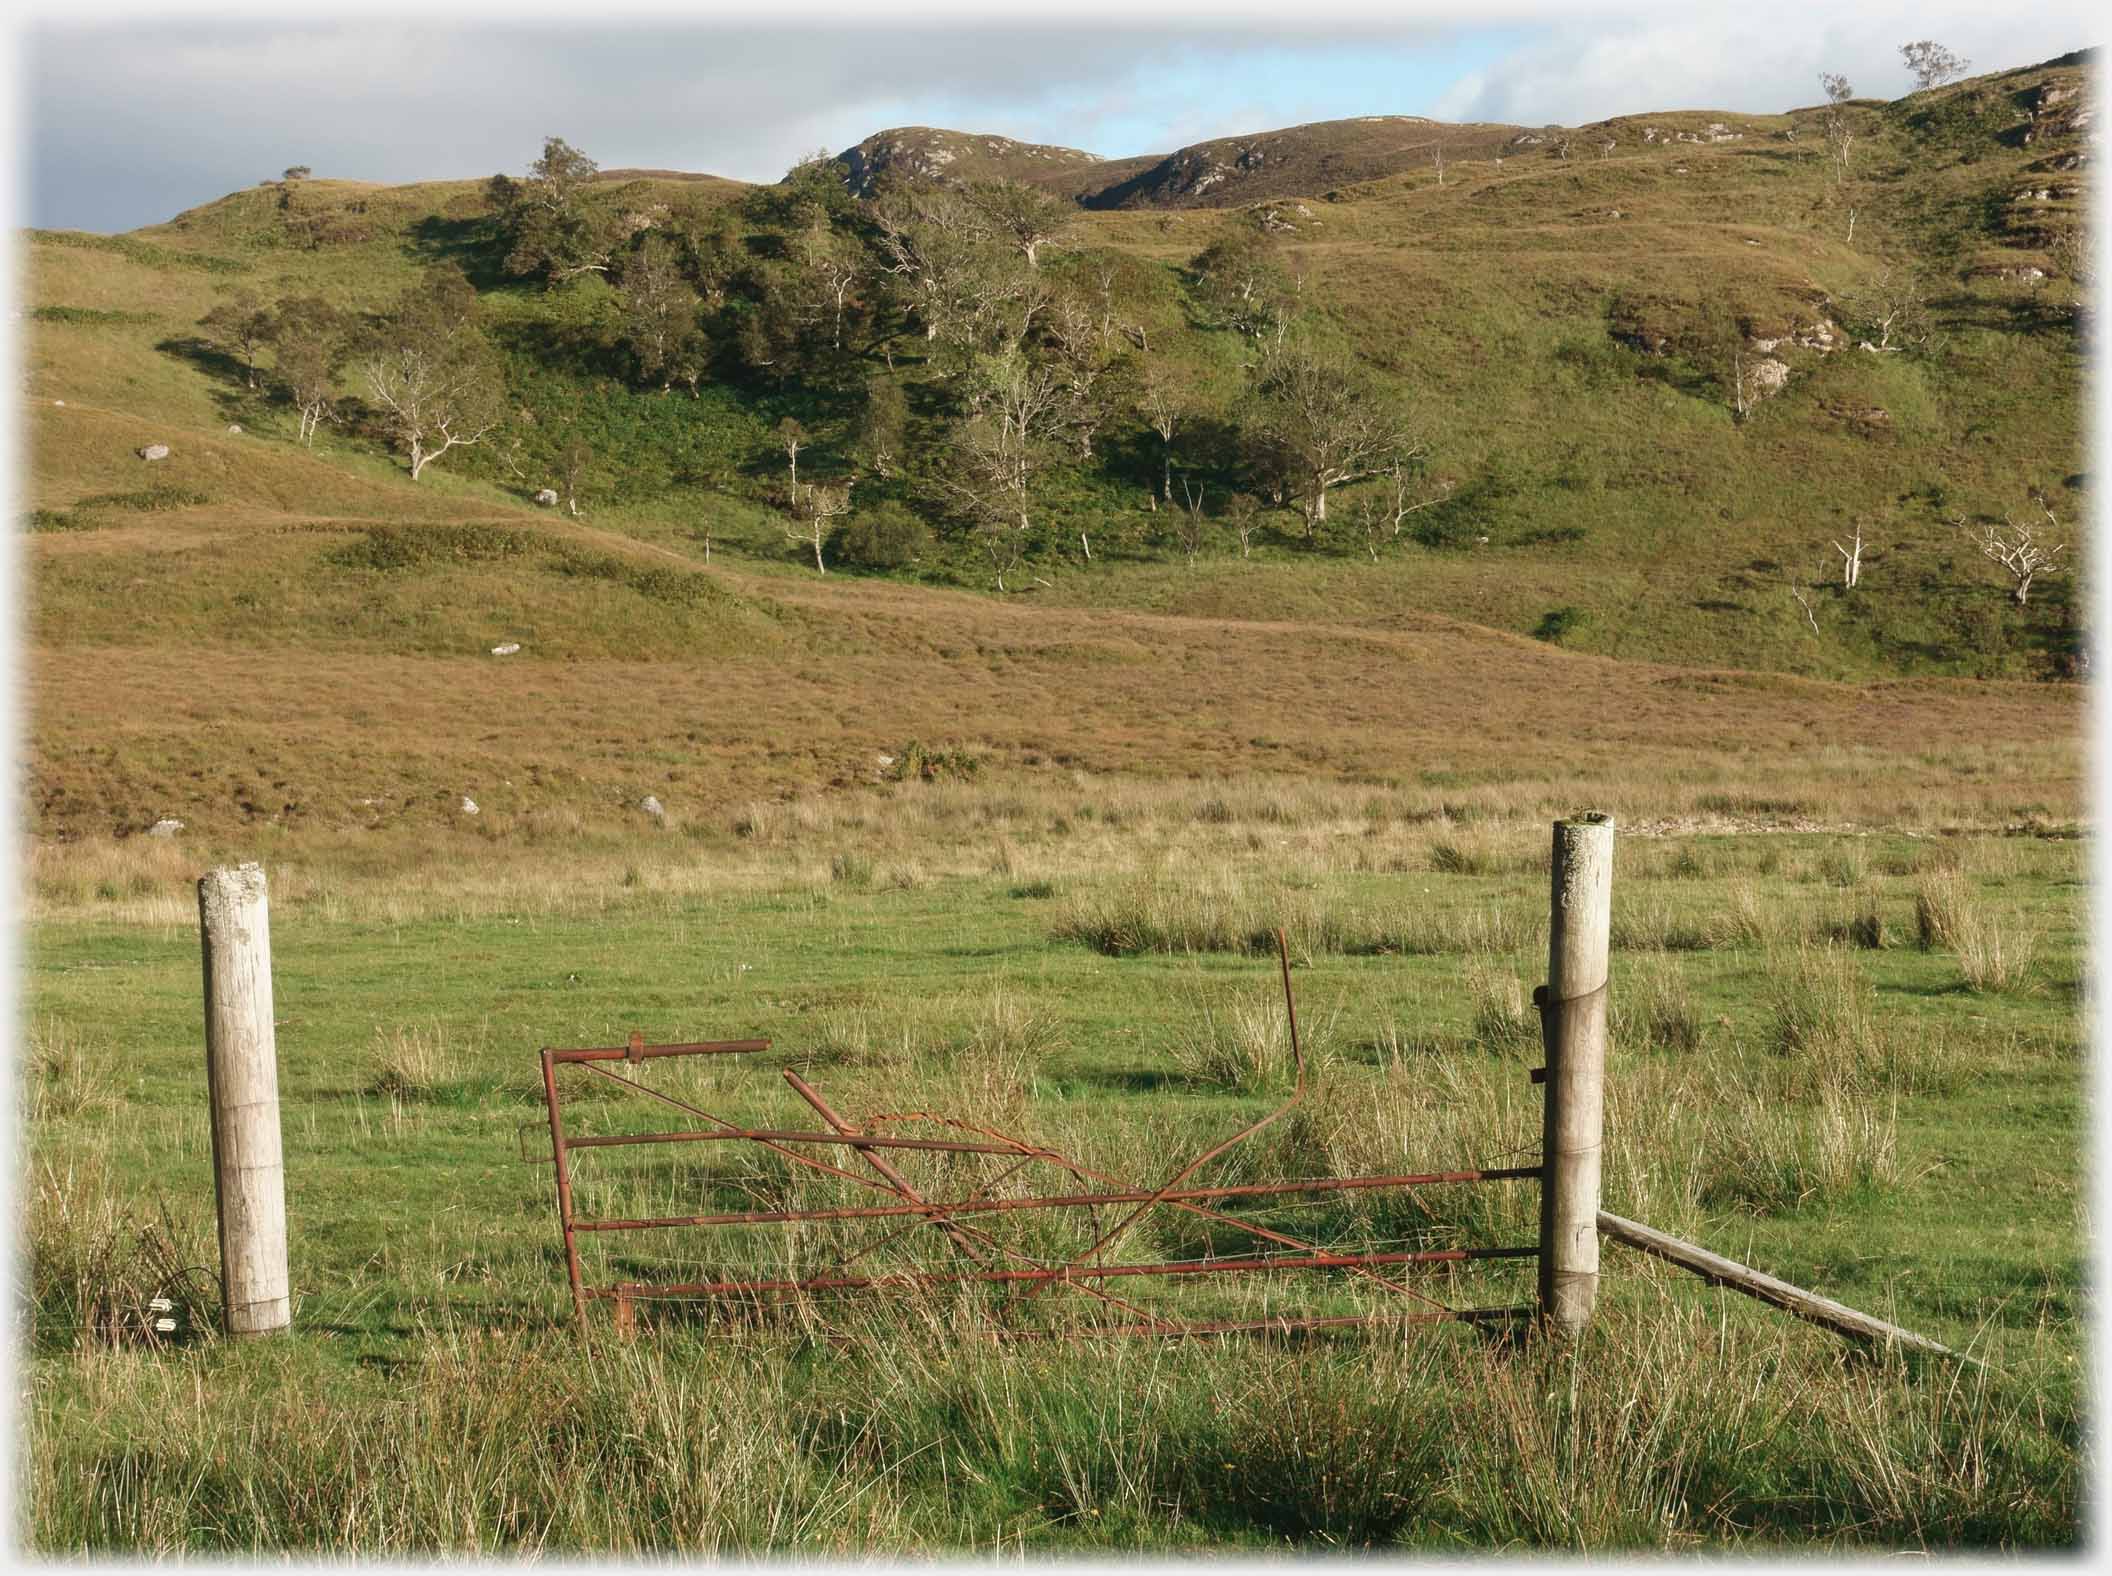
188 111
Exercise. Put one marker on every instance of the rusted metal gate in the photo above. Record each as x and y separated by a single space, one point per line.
868 1156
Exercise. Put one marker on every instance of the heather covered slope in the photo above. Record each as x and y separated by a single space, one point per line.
1560 327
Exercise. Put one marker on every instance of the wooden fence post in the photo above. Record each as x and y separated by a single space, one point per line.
242 1080
1573 1019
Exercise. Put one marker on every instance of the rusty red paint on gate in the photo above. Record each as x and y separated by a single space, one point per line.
976 1246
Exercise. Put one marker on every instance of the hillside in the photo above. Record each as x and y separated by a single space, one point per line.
1561 330
922 153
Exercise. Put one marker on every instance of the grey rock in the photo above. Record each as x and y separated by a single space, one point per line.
547 497
167 826
652 808
233 427
469 805
506 648
153 451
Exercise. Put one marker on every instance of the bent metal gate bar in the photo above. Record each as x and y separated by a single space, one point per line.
978 1255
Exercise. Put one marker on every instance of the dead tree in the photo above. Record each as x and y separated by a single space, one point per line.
792 437
1243 519
1401 473
1190 522
815 506
1840 130
1851 559
2018 549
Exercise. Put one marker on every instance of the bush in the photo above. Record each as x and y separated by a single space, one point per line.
913 762
1558 622
148 500
884 537
417 547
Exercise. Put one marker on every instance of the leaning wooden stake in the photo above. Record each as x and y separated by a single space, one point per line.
242 1079
1720 1271
1574 1019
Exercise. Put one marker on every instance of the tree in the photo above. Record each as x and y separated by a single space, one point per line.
430 372
1890 312
296 172
1404 466
550 228
660 315
572 462
968 295
792 437
1163 402
1243 285
814 506
1851 559
311 348
999 447
241 325
883 425
2071 258
1320 421
1243 519
2017 548
1932 64
1839 127
1189 523
1094 369
1020 216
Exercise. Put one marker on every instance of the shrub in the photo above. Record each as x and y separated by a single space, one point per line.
417 547
886 536
913 762
86 316
1558 622
147 500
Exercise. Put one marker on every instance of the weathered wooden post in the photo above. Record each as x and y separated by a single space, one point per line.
242 1080
1573 1019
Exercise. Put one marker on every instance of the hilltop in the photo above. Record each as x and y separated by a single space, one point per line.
1566 319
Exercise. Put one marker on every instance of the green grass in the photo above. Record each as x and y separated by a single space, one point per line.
1601 497
1855 1121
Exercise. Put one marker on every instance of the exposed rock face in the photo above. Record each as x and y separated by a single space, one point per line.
1768 377
929 154
153 451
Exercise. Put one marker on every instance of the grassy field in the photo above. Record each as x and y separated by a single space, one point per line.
1853 1060
1014 860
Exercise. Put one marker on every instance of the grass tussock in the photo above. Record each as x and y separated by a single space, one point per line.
67 1073
1240 1040
1654 1009
414 1062
912 1440
1994 959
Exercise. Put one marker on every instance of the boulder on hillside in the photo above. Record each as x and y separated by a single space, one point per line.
167 826
652 807
153 451
547 497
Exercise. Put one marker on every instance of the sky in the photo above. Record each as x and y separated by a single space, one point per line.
126 114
